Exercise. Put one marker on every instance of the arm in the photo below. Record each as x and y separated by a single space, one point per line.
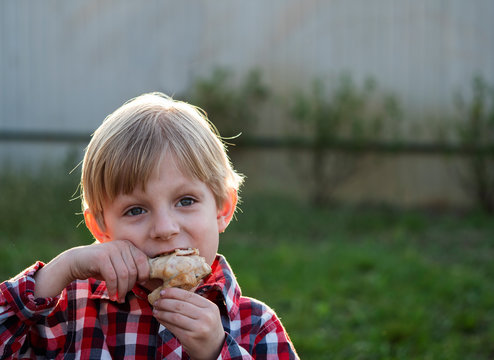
19 310
117 262
31 298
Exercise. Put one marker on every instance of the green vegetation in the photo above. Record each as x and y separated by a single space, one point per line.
341 121
235 106
348 283
327 115
37 217
475 132
370 284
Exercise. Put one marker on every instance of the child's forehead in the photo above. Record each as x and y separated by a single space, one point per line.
166 167
168 163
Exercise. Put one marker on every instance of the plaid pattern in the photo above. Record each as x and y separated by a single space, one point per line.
84 323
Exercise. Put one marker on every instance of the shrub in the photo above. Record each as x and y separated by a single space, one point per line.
475 133
233 108
344 118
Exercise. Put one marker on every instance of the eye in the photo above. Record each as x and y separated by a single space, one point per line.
135 211
187 201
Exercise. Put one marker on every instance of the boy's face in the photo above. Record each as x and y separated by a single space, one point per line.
174 211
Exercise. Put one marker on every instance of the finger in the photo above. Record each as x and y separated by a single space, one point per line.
179 307
185 296
185 314
195 335
174 319
131 267
177 331
122 275
109 275
141 264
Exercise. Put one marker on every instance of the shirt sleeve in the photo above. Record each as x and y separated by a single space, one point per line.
19 310
271 343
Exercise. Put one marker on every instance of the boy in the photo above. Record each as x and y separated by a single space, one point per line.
155 178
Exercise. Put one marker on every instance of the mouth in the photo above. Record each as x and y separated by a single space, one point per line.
168 252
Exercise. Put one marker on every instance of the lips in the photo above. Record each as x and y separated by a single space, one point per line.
168 252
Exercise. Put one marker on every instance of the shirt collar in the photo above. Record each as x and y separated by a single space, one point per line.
221 286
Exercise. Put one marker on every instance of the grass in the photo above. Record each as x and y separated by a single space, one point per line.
370 284
348 283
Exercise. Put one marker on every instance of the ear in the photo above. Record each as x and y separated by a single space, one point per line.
95 227
225 213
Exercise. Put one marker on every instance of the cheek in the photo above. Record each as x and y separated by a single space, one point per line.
209 254
207 243
119 231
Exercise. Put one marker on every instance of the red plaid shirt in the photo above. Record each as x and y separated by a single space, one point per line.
84 323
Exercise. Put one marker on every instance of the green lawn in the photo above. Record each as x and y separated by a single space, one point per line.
347 283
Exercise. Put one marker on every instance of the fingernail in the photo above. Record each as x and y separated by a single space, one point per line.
162 292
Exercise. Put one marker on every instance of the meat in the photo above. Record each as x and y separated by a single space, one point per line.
182 268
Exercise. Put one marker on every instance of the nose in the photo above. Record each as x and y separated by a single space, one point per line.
165 226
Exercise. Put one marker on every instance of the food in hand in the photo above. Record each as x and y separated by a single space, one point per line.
182 268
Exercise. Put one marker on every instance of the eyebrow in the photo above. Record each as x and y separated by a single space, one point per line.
189 187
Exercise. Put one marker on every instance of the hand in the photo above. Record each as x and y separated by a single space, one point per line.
117 262
194 320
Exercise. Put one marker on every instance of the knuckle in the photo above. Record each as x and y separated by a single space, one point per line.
128 243
109 272
123 275
188 295
132 271
100 257
202 331
111 279
210 318
142 261
142 267
93 269
178 306
159 305
175 318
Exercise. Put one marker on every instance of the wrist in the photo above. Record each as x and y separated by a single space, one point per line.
52 278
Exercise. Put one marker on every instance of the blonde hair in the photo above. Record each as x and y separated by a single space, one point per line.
128 145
